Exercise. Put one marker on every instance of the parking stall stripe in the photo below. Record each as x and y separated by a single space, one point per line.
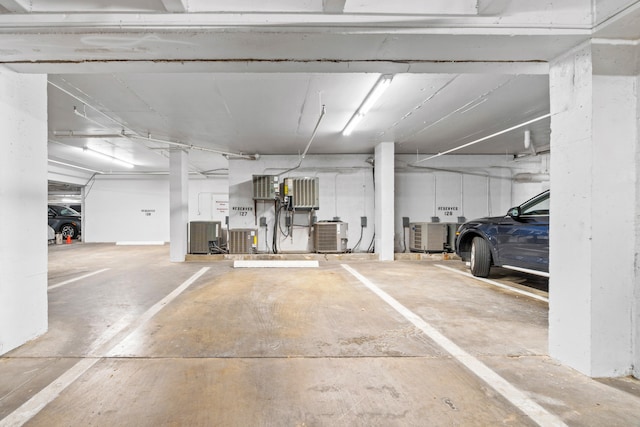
66 282
33 406
496 284
520 400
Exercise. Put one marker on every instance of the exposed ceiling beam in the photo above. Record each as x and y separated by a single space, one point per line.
175 5
16 6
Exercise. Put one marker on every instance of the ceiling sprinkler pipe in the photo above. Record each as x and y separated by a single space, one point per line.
193 147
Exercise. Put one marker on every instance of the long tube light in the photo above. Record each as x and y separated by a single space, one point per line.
73 166
381 85
106 156
537 119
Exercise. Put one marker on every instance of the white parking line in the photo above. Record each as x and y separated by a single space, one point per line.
520 400
66 282
31 407
496 284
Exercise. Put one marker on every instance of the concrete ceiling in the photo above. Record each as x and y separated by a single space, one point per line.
134 78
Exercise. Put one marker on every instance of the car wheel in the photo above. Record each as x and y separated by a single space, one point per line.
480 257
68 230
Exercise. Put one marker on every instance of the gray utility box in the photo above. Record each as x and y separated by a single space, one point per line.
331 236
301 193
204 235
243 241
266 187
428 237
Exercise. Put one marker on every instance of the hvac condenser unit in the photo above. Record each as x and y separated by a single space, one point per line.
301 193
243 241
204 236
427 237
266 187
331 236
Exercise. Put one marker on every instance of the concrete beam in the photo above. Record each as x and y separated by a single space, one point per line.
16 6
176 6
333 6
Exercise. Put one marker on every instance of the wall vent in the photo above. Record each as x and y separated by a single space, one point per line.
428 237
331 237
204 236
302 193
243 241
266 187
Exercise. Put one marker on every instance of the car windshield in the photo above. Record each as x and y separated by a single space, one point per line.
66 211
539 206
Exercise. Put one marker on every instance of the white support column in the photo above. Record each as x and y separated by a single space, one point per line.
179 203
384 196
23 197
594 286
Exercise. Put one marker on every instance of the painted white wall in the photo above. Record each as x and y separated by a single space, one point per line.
23 191
209 199
594 290
127 209
136 208
346 191
479 186
467 186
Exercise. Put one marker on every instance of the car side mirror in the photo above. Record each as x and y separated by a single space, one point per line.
51 215
515 212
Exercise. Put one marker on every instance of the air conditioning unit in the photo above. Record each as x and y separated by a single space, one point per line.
243 241
204 236
301 193
427 237
331 236
266 187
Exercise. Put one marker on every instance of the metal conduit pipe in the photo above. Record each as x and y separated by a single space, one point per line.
313 135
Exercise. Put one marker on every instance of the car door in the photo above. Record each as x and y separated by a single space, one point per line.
523 239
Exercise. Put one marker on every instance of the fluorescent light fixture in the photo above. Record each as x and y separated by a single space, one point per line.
73 166
484 138
84 135
381 85
106 156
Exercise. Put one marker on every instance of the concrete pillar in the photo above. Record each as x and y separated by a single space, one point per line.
594 286
179 203
23 198
384 196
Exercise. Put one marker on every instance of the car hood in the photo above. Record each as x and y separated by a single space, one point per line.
486 220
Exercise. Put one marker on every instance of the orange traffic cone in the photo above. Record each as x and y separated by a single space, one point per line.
68 239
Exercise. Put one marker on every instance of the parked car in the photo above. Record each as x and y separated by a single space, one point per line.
519 240
65 221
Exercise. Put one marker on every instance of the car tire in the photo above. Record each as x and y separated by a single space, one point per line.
480 257
68 230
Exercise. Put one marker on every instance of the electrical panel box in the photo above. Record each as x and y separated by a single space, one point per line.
452 229
428 237
266 187
204 236
331 236
243 241
301 193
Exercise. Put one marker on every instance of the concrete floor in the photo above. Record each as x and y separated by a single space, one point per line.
139 344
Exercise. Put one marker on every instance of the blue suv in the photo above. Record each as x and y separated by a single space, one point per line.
518 240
